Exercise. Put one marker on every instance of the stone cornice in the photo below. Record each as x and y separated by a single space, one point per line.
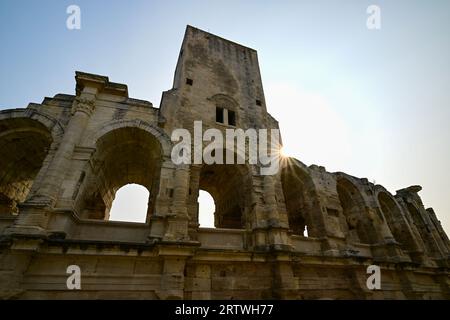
101 83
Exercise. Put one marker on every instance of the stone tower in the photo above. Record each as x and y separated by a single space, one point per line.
63 160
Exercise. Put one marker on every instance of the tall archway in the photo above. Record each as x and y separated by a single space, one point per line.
360 228
397 224
123 156
301 200
229 185
24 144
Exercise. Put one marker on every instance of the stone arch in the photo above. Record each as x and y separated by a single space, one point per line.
399 227
221 98
53 126
25 141
123 155
230 187
158 133
301 199
354 209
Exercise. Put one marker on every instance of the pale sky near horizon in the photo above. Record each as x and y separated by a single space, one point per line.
371 103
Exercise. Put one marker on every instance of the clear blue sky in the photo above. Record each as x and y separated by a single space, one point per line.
374 104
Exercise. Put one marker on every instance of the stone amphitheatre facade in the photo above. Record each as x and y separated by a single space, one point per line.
62 161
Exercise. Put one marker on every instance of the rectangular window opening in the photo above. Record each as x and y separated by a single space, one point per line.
258 102
231 118
219 114
189 82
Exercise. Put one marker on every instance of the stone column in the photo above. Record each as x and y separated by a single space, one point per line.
172 279
198 282
277 232
180 191
174 258
284 283
178 219
440 231
270 200
34 214
162 201
193 205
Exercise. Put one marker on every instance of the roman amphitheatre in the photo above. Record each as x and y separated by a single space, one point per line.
63 160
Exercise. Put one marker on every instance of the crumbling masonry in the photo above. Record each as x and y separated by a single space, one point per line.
62 161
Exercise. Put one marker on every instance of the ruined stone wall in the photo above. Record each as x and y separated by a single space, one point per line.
303 233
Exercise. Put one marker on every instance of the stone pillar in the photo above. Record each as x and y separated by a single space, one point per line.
257 218
34 214
440 231
198 282
178 219
386 244
172 279
172 285
384 231
284 283
270 200
180 191
434 235
82 109
277 232
162 201
15 262
193 206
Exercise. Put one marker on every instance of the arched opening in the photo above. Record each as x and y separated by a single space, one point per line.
206 209
123 156
24 144
305 232
301 201
229 186
359 227
130 204
398 226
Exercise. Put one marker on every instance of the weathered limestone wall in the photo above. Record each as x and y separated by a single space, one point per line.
303 233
